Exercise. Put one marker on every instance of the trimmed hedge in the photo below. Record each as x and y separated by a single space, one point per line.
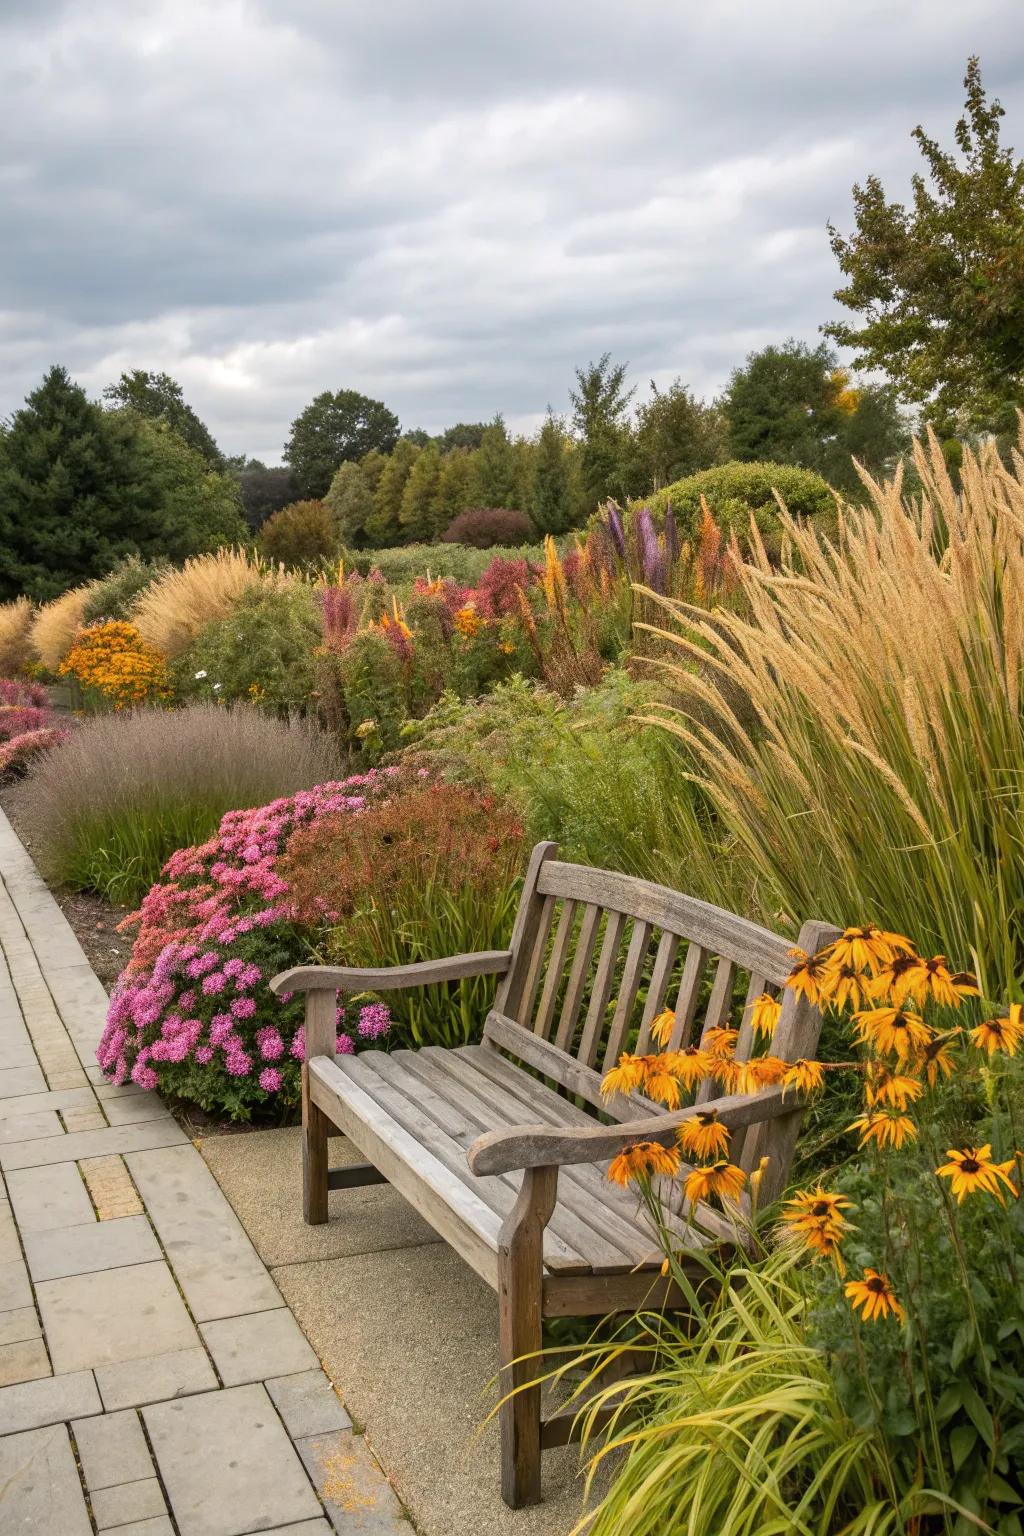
732 491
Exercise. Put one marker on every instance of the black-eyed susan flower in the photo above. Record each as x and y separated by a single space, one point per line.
807 975
972 1170
660 1082
912 978
816 1218
626 1077
895 1089
721 1179
805 1076
643 1159
866 948
1000 1034
691 1066
844 987
764 1015
662 1026
891 1029
937 1059
885 1127
704 1136
719 1040
874 1295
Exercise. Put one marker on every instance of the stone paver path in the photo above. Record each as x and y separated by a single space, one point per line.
152 1380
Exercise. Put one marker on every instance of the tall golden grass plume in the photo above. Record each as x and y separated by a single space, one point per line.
57 624
174 608
16 652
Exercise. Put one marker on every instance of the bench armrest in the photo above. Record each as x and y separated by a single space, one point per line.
543 1146
390 978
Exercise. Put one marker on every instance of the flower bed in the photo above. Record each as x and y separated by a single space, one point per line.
191 1012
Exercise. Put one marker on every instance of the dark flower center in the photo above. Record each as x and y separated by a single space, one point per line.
877 1285
820 1208
970 1165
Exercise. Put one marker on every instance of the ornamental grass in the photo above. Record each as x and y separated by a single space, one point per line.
56 625
16 653
127 790
172 610
858 727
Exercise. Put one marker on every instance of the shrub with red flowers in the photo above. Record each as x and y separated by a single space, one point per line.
27 726
191 1013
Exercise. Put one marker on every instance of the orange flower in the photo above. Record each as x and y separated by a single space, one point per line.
1000 1034
722 1179
627 1077
890 1029
874 1296
844 986
719 1040
885 1127
972 1170
866 948
910 977
816 1218
936 1060
894 1089
643 1159
662 1026
805 1076
807 975
704 1136
764 1015
691 1066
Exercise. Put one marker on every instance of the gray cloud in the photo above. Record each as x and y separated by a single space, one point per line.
448 206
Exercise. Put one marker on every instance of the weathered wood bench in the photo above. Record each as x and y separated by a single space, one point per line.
503 1146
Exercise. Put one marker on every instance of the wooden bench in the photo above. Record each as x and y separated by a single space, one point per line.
503 1146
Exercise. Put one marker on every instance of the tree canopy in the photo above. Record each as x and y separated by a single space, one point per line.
939 286
159 397
600 402
333 429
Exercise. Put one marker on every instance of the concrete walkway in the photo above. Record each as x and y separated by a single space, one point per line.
152 1379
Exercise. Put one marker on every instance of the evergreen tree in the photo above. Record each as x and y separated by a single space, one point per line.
493 468
81 488
383 527
600 402
264 489
350 498
454 490
416 514
373 465
159 397
549 504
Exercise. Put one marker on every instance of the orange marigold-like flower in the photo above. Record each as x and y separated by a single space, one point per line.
972 1170
816 1218
807 975
662 1026
1000 1034
805 1076
885 1127
626 1077
720 1040
764 1015
894 1089
722 1179
874 1296
691 1066
643 1159
866 948
890 1029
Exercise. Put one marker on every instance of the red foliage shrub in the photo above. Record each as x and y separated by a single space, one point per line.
496 589
483 527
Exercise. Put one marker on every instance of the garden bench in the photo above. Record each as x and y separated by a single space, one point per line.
503 1146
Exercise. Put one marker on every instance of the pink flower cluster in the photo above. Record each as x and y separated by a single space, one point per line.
192 998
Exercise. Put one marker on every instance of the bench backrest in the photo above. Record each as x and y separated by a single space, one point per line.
597 955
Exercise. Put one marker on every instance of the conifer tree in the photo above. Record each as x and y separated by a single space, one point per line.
384 527
549 503
416 514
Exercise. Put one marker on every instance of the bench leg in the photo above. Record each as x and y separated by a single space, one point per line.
315 1126
520 1272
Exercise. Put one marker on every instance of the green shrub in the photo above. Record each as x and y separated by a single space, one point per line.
114 595
734 491
372 681
108 809
305 533
459 562
583 773
261 652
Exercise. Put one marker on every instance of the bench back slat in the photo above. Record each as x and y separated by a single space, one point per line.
661 975
556 970
578 975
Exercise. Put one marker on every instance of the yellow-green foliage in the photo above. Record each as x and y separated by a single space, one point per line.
171 611
859 727
56 625
15 645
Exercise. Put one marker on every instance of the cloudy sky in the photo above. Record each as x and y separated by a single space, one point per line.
447 204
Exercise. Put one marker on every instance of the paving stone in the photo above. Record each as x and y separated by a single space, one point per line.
16 1043
117 1314
81 1002
19 1324
109 1183
26 1361
304 1528
43 1122
134 1109
112 1450
17 1080
308 1404
227 1464
87 1118
129 1502
105 1090
15 1290
256 1346
39 1486
28 1103
116 1138
358 1497
47 1401
216 1265
80 1250
46 1198
10 1244
131 1383
161 1526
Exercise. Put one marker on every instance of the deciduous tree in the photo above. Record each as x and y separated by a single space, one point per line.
333 428
160 397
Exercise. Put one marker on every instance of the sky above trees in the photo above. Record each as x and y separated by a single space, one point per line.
448 206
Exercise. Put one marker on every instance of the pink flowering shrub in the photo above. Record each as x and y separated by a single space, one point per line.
14 691
16 719
16 754
191 1012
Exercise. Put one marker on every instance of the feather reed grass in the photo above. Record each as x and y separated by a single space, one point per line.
875 765
171 611
16 650
56 625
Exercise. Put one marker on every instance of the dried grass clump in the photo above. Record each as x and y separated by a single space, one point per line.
15 642
174 608
106 811
879 772
56 625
